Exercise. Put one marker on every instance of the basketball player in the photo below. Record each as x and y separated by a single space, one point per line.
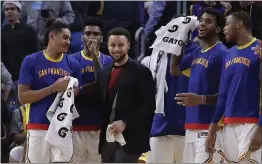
86 128
42 75
205 62
167 132
238 99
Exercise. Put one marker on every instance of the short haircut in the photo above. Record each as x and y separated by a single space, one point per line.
244 17
94 21
53 26
220 19
119 31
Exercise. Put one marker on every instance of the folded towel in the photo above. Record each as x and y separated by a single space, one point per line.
111 138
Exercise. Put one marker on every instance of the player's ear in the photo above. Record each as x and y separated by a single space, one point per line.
101 39
240 24
51 35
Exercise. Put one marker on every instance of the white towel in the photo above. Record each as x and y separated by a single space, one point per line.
61 114
158 68
111 138
172 37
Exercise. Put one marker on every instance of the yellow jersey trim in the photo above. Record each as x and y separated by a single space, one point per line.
51 59
187 72
86 57
209 47
247 45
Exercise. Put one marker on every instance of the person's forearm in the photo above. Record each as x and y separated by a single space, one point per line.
32 96
211 99
213 128
174 65
97 65
19 138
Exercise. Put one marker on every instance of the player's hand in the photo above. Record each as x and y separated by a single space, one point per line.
60 84
256 140
117 127
258 49
76 91
210 143
188 99
227 5
93 48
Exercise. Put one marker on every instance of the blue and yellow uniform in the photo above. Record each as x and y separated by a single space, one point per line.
204 65
90 119
38 71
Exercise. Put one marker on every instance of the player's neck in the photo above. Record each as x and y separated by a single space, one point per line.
209 43
244 38
52 54
13 22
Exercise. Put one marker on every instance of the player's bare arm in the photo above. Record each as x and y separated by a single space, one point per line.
192 99
94 50
27 96
211 138
174 64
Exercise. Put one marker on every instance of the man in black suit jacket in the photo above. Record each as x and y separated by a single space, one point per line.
127 94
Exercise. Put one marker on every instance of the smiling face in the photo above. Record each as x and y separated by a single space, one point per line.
207 26
61 40
118 46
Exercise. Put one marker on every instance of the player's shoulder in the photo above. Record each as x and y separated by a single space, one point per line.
72 59
104 55
31 58
105 59
137 66
76 55
221 49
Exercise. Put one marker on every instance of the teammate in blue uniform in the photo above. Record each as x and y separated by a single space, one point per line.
238 98
167 132
42 75
205 62
86 128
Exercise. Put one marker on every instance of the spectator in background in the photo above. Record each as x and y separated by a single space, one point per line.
18 133
160 14
253 8
18 40
37 13
5 131
6 80
126 14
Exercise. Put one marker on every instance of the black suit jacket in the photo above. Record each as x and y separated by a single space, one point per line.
135 104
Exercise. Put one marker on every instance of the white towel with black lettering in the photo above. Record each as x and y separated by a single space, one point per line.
61 114
158 68
173 36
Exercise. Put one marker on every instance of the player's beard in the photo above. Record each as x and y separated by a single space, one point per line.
120 59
